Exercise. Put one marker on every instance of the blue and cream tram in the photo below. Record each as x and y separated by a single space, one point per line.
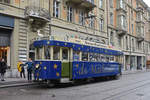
55 60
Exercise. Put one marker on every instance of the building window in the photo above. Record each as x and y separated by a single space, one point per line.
126 43
5 1
111 38
56 8
101 24
123 22
111 18
69 14
91 20
100 3
133 44
132 28
111 3
120 42
81 18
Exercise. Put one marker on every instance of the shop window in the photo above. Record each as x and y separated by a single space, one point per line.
76 55
47 52
65 54
5 1
84 56
56 55
39 53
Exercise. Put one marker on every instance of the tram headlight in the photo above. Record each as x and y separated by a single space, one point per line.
37 66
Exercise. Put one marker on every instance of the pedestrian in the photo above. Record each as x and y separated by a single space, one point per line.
3 67
20 67
29 68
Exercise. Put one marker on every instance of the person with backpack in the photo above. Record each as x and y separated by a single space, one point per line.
29 68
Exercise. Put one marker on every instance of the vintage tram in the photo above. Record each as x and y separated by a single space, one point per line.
56 61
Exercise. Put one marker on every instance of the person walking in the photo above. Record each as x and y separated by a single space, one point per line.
29 68
3 67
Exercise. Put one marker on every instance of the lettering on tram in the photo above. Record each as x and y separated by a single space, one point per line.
56 60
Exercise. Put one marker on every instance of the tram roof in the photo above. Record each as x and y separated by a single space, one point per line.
78 47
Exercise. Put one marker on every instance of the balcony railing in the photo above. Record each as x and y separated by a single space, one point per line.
37 13
140 37
139 9
88 4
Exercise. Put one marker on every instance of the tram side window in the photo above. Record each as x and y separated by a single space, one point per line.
107 58
56 55
47 52
84 56
103 58
93 57
112 59
99 57
39 53
64 54
76 55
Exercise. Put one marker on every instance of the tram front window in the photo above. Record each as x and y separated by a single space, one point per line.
64 54
47 52
39 53
56 55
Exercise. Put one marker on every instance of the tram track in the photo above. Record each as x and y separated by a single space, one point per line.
130 87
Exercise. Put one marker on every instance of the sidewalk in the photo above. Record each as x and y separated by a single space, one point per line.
14 82
134 71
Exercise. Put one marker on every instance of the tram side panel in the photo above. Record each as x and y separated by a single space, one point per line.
81 70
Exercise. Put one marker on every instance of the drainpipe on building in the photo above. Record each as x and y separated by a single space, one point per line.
107 22
50 19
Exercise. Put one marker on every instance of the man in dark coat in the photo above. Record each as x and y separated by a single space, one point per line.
3 67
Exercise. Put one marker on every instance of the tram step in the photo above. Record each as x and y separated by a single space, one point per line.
65 80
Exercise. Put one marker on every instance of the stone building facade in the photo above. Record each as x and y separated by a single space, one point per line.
118 24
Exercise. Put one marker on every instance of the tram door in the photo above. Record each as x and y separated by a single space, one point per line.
65 73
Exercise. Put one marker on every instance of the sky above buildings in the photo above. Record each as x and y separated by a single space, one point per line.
147 2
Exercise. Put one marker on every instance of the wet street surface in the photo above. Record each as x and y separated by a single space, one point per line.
128 87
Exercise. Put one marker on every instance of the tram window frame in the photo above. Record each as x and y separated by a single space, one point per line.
75 52
58 53
66 53
85 56
49 51
39 53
